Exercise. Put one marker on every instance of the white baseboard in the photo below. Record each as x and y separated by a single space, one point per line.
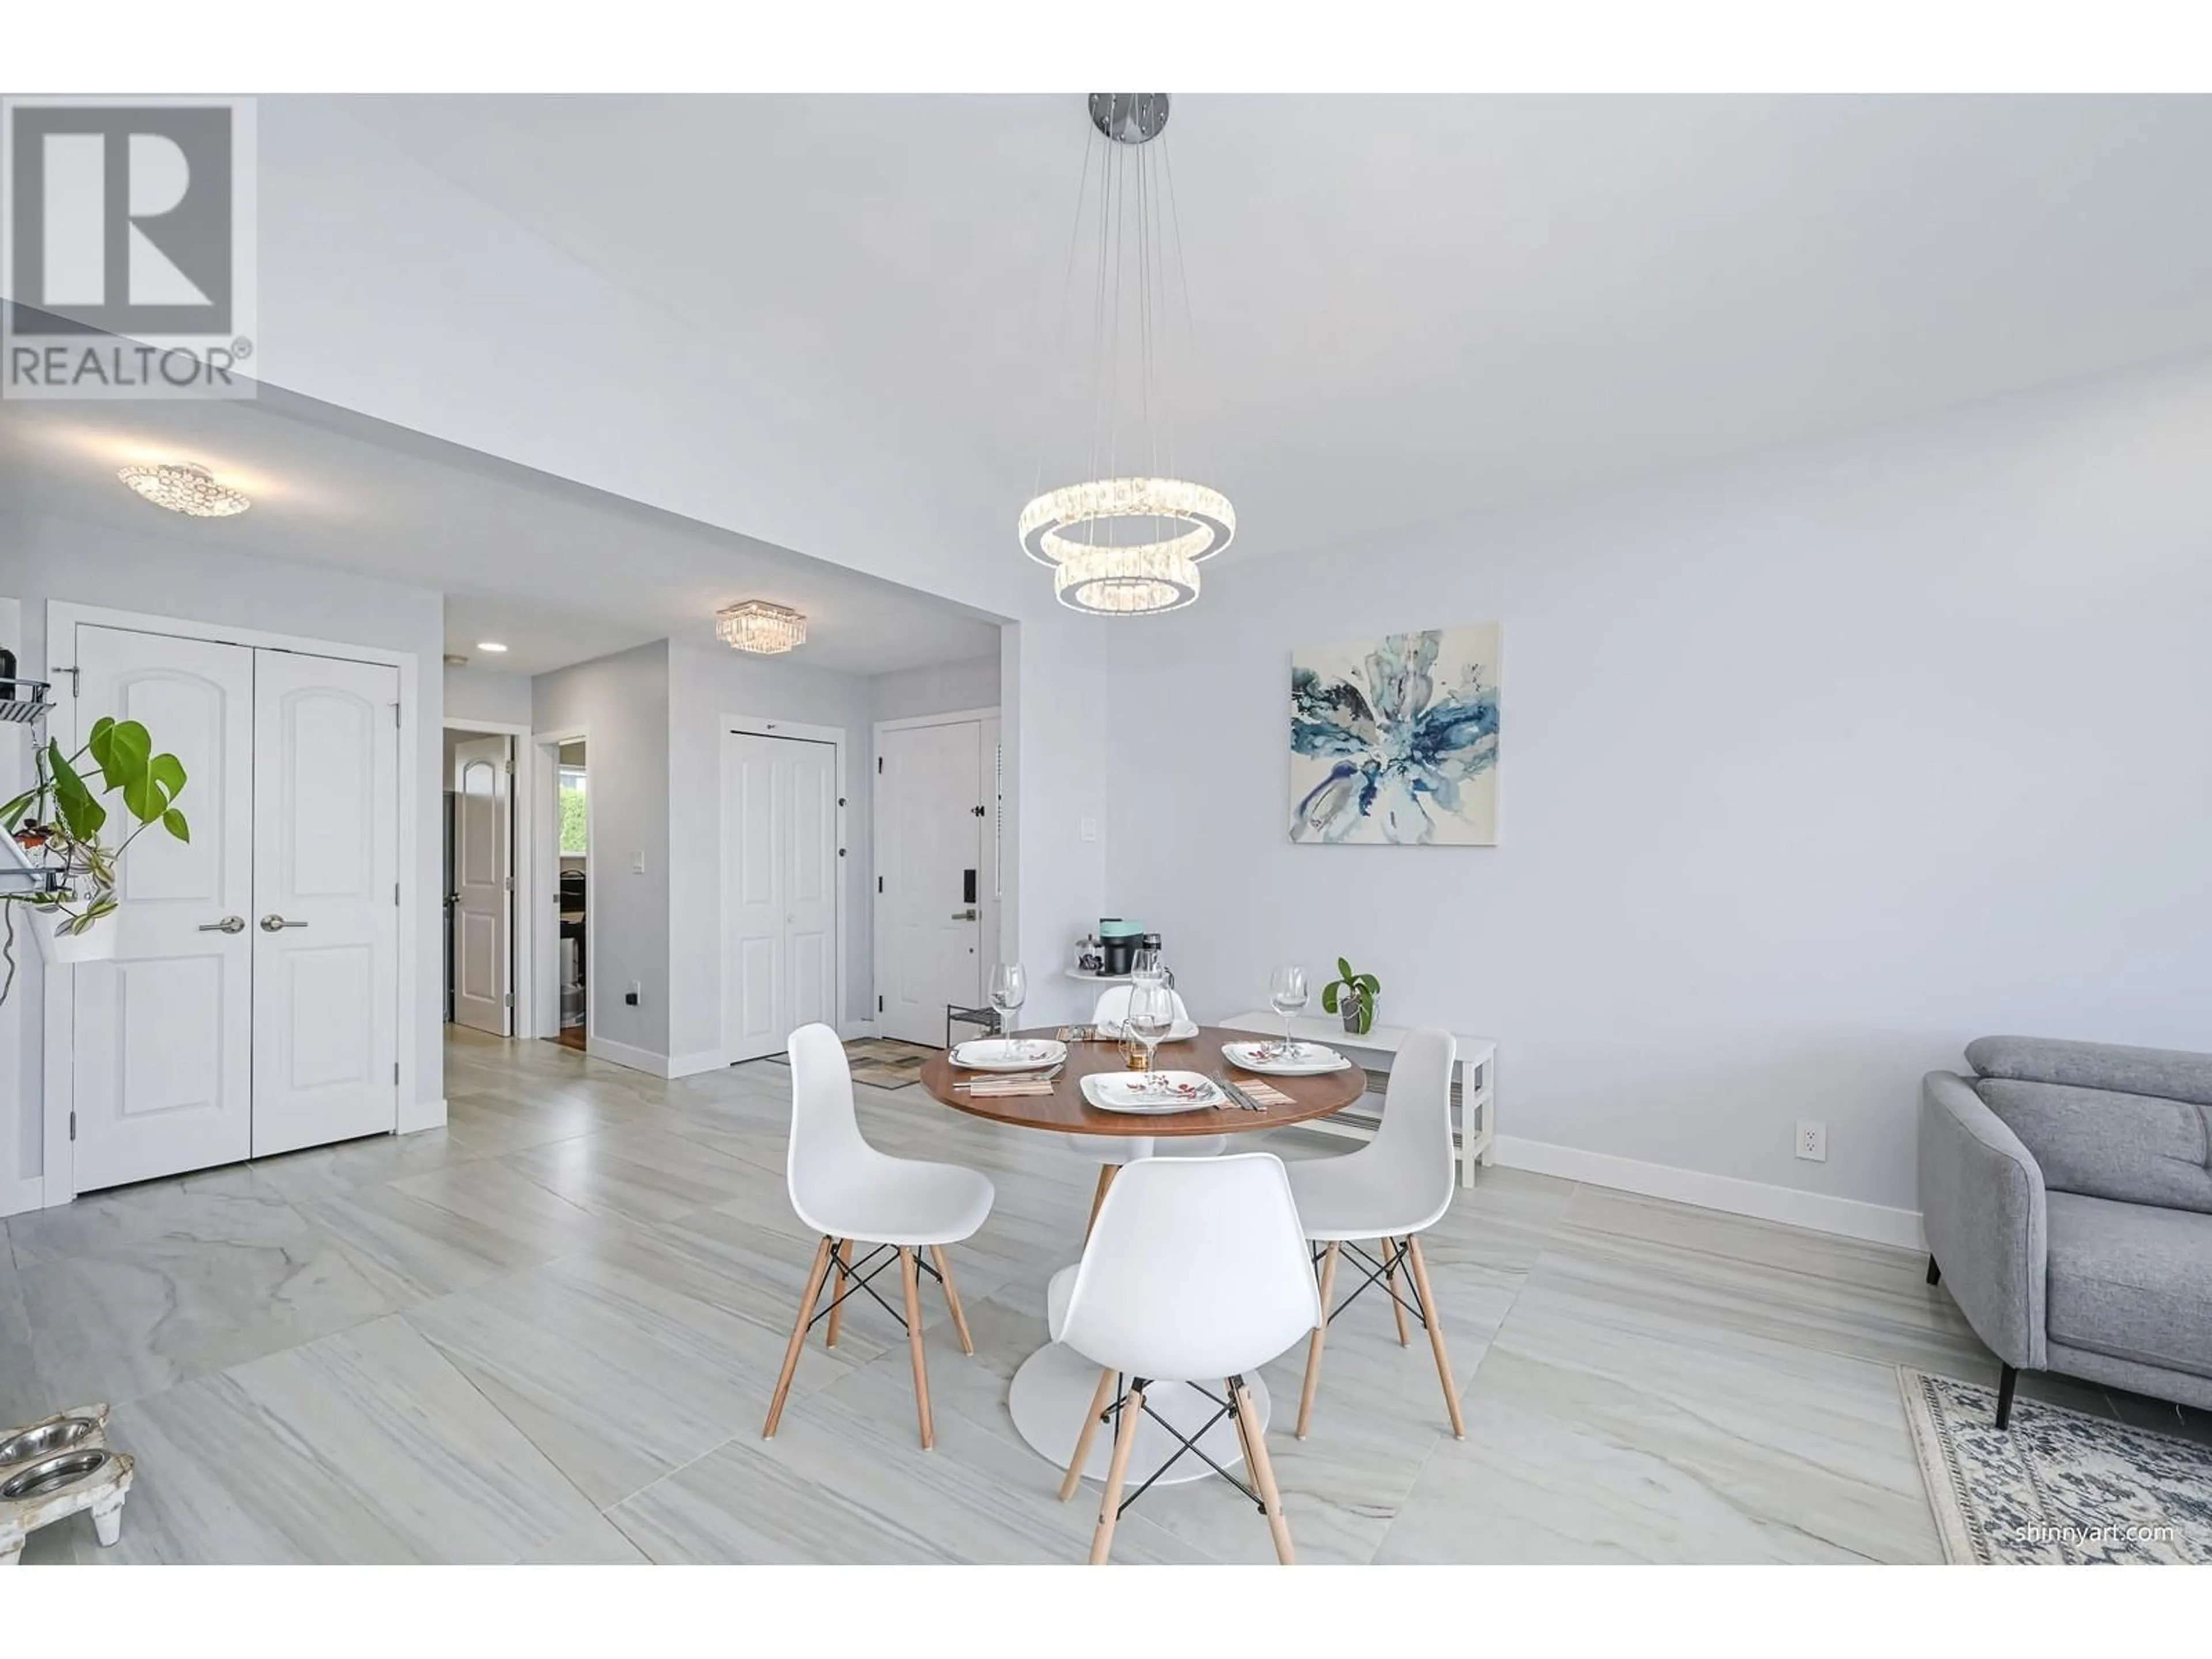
1877 1224
621 1054
424 1114
709 1060
24 1194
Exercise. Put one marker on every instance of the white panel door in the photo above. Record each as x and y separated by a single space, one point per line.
483 904
161 1043
325 900
929 863
780 816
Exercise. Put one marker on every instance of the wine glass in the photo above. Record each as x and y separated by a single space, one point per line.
1147 965
1010 988
1286 991
1152 1015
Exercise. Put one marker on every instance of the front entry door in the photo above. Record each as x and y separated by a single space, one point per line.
163 1040
325 900
483 886
929 858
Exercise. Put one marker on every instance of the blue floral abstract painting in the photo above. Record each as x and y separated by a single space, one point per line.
1395 739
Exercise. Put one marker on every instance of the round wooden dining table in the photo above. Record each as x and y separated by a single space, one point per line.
1052 1391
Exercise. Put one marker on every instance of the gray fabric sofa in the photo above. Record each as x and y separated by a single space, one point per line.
2066 1188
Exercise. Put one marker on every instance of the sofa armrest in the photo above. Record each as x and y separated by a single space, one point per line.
1982 1204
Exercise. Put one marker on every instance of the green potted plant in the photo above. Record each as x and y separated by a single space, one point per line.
58 823
1354 996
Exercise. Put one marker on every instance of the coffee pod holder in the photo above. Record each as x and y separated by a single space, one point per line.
56 1466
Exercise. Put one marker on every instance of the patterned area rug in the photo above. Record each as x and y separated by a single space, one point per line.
881 1062
2059 1486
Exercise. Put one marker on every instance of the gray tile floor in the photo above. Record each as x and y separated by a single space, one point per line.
548 1332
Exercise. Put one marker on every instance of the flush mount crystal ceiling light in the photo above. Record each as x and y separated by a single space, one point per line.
1125 545
757 626
184 487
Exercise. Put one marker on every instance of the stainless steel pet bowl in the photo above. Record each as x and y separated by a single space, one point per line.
52 1474
47 1439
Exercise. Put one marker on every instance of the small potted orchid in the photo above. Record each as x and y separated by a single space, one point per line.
1354 996
61 823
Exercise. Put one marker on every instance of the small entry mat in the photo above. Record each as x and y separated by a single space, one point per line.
881 1062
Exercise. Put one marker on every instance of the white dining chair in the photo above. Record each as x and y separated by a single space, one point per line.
1110 1153
1196 1272
895 1208
1392 1190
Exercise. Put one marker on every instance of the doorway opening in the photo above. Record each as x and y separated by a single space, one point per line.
572 955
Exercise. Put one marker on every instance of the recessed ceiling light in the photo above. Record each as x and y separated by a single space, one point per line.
489 645
184 487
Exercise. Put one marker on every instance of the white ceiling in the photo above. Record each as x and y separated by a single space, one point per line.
1407 307
557 573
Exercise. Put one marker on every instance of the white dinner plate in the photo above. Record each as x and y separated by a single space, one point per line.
1152 1091
1182 1031
1310 1059
1009 1054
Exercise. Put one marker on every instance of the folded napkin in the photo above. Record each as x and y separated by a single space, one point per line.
984 1088
1266 1093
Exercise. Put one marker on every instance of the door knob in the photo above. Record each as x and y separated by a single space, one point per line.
963 915
273 923
227 925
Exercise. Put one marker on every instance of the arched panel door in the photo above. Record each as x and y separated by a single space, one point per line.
482 894
326 923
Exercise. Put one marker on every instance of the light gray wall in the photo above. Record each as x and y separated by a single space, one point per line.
179 575
710 683
624 699
1814 766
477 693
940 689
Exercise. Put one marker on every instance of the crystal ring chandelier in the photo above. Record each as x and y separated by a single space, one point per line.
184 487
1128 545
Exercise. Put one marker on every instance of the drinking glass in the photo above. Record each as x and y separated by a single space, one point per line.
1147 965
1010 988
1286 991
1152 1014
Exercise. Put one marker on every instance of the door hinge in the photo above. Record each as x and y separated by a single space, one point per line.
508 1001
880 883
395 716
880 759
879 1008
510 884
395 895
72 1125
395 1073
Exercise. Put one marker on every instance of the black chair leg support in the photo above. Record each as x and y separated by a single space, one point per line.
2004 1395
1935 1272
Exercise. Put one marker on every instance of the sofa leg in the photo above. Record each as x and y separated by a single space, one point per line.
1935 1272
2004 1395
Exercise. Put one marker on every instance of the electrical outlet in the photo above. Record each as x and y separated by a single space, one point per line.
637 863
1813 1139
1088 829
636 990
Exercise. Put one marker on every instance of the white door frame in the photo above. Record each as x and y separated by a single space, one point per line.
544 886
63 618
524 753
747 725
993 906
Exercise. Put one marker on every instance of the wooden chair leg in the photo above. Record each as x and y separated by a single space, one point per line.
1397 1307
1106 1172
952 1299
910 1274
844 1262
1263 1471
1109 1505
1436 1324
1319 1339
1100 1400
815 1275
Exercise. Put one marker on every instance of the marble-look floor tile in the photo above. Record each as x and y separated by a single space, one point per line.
639 1174
23 1397
135 1299
362 1447
339 1172
489 1193
413 1250
617 1378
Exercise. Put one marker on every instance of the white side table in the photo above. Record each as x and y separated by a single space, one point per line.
1475 1069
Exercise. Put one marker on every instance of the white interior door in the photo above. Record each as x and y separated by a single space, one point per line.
929 866
325 900
483 885
780 816
162 1035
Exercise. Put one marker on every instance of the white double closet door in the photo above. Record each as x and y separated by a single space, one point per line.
252 1003
779 875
